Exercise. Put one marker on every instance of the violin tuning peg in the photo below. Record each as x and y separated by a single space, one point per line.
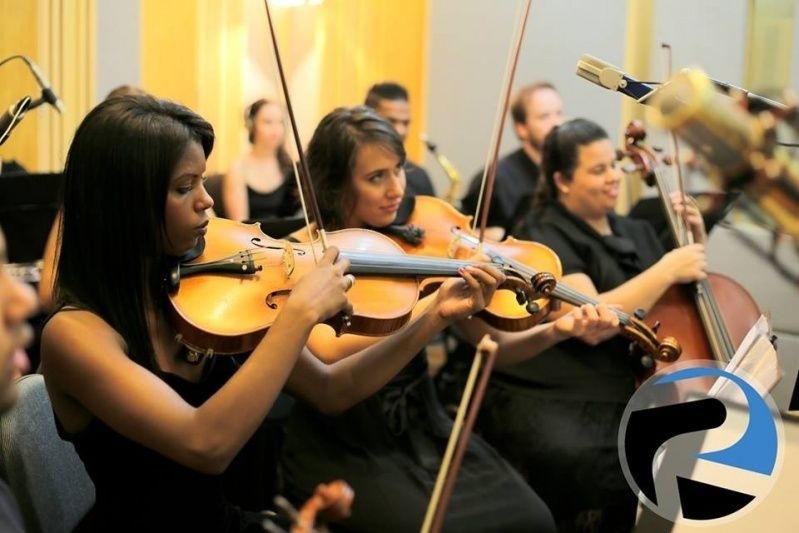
639 313
521 297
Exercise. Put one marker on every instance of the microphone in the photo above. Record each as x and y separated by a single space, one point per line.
12 117
712 123
47 91
611 77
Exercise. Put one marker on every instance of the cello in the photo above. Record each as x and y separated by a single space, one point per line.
713 315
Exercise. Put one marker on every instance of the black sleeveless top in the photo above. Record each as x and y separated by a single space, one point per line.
137 489
281 202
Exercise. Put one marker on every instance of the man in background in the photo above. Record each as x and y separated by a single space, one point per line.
390 101
536 109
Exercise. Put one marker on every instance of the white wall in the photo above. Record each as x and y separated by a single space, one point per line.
118 24
469 41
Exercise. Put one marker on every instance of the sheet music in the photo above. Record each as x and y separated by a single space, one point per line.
755 358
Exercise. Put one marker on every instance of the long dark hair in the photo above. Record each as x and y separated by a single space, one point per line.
112 257
331 156
560 153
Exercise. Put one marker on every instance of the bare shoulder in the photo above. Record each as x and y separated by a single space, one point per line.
77 344
77 347
69 328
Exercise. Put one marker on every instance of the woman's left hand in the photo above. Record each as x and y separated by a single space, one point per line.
591 324
688 210
459 298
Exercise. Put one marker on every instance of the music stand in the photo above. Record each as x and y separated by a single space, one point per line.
28 205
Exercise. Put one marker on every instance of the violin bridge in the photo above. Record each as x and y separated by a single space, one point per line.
454 244
288 259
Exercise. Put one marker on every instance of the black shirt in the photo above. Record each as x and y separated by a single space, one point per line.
515 183
418 181
573 369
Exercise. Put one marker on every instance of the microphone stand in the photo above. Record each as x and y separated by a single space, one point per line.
48 96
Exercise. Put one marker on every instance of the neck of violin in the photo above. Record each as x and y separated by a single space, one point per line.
393 265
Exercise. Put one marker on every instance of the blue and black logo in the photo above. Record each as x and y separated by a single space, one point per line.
696 452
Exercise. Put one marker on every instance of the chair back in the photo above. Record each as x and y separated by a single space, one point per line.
47 477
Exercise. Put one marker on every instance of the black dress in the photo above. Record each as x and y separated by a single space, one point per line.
555 417
389 449
279 203
138 489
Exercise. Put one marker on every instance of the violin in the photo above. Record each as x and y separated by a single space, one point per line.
712 315
225 299
445 236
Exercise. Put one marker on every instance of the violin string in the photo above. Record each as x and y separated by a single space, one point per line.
304 209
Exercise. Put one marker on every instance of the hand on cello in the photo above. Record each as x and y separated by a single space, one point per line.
685 264
686 209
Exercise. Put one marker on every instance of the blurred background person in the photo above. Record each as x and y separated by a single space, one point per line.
260 184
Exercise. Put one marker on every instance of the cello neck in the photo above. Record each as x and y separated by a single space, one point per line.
712 321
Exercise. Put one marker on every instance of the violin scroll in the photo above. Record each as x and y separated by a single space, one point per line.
667 350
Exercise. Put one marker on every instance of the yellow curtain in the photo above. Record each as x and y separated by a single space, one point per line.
362 42
769 46
215 56
333 51
192 51
59 36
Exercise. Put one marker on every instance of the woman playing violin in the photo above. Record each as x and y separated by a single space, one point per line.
389 447
156 430
556 417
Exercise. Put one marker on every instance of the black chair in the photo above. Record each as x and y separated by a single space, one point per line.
279 228
213 184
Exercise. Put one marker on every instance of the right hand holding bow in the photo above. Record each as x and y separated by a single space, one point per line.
323 290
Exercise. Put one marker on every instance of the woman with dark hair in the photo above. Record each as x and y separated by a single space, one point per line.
261 183
155 427
556 417
389 447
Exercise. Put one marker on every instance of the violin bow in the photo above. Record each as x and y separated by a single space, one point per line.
459 437
307 193
473 394
490 169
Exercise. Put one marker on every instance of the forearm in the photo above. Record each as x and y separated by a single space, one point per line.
640 292
235 412
514 346
360 375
